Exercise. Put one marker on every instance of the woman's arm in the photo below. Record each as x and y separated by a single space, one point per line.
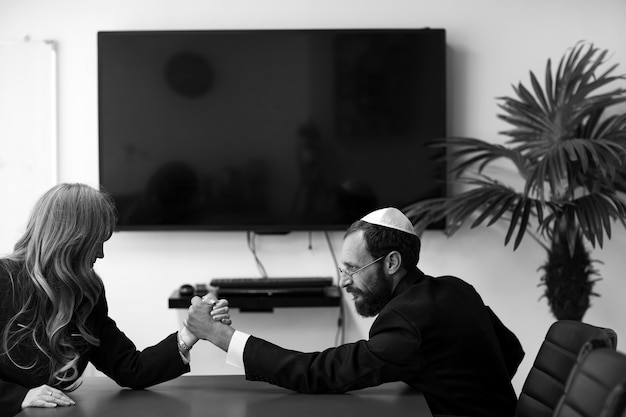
11 397
118 357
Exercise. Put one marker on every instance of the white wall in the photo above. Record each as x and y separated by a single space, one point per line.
492 44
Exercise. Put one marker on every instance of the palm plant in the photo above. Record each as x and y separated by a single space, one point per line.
570 157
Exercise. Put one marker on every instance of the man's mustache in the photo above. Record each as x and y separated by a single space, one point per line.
354 291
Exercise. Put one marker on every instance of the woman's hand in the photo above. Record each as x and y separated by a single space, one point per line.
46 396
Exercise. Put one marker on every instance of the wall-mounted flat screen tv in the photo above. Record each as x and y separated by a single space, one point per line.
269 130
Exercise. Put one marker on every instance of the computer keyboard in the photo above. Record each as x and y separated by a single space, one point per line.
272 283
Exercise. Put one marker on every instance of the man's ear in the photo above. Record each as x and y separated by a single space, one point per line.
393 262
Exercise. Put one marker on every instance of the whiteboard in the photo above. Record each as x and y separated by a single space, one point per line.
28 131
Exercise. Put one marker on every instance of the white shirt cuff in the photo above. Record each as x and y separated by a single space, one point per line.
185 357
234 355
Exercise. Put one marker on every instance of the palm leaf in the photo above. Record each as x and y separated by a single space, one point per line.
488 200
612 128
563 162
537 125
594 213
539 93
481 153
569 154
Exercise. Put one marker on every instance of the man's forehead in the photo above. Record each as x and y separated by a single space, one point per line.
354 247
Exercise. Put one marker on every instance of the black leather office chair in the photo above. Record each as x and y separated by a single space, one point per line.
615 405
596 386
545 383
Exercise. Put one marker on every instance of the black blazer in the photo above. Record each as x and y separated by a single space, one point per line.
117 356
435 334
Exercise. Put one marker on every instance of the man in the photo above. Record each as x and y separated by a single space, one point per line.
435 334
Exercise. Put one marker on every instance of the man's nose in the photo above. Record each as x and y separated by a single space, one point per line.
345 281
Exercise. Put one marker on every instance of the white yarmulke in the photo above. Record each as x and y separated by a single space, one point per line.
390 217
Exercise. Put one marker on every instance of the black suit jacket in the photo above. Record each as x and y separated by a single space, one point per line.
435 334
117 356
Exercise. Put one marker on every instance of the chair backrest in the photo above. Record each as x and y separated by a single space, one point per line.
615 405
545 383
596 386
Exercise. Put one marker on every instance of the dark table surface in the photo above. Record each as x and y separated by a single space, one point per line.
232 396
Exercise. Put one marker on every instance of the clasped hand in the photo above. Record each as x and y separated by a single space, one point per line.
217 309
206 315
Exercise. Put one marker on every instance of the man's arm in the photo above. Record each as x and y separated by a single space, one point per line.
511 347
386 356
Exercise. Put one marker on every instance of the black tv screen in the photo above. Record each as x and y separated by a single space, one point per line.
268 130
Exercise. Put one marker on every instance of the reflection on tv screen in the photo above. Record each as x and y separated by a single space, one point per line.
269 130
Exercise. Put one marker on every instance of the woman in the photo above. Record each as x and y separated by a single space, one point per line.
53 312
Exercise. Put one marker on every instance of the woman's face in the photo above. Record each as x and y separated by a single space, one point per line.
98 253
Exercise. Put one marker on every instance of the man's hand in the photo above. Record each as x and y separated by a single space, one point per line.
204 325
46 396
219 310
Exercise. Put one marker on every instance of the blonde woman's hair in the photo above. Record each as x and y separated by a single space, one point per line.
54 286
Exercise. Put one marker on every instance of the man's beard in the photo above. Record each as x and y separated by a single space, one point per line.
371 302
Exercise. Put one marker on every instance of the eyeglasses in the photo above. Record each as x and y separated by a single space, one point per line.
350 274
